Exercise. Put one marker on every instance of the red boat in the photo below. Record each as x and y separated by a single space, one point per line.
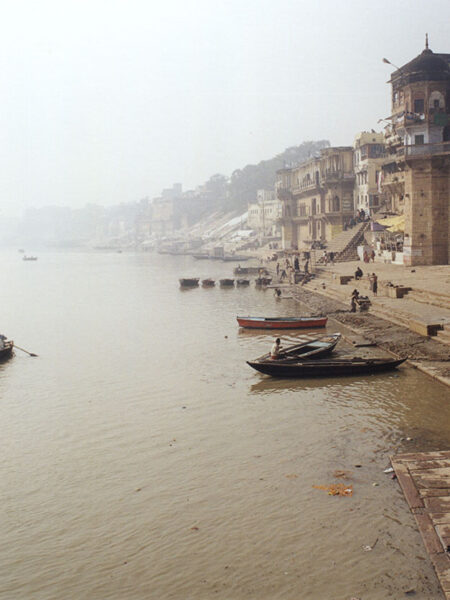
281 322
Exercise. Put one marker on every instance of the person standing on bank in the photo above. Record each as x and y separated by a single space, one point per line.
374 283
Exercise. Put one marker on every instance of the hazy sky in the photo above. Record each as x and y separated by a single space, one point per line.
110 101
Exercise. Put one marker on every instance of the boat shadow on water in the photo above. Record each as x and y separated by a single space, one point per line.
271 385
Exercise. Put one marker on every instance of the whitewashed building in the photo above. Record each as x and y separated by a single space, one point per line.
263 215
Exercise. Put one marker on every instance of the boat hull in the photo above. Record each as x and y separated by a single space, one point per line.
266 323
310 347
7 351
325 368
187 283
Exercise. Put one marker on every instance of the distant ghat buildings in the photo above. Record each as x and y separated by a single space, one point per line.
405 171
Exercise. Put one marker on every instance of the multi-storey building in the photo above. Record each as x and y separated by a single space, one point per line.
317 197
368 159
416 174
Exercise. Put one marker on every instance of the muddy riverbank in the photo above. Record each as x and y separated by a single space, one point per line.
424 353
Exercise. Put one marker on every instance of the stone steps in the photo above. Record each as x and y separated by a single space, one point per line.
344 244
444 335
425 297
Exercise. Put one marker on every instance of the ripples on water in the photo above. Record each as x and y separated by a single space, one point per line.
142 458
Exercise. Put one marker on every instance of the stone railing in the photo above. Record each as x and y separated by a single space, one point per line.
424 150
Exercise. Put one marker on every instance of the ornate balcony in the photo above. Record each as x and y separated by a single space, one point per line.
423 150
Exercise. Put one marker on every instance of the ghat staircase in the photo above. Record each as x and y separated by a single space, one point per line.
345 244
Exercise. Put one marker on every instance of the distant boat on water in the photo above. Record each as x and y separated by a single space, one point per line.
189 282
29 258
235 258
6 348
227 283
208 283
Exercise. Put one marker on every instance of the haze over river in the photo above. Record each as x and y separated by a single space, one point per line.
140 457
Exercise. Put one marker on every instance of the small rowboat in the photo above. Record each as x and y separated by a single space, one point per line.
227 282
309 347
262 281
281 322
328 367
6 348
242 282
189 282
208 283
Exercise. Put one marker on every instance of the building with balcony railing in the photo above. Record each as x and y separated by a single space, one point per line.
368 158
416 170
317 197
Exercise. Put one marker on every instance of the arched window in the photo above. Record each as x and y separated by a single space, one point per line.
436 101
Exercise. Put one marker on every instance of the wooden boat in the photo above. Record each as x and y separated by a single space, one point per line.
208 283
201 255
6 348
327 367
308 347
281 322
242 282
227 282
189 282
248 270
234 258
263 281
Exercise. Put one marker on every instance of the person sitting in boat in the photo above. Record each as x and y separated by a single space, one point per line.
277 292
3 339
276 348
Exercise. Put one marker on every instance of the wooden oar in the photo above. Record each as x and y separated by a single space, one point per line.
23 350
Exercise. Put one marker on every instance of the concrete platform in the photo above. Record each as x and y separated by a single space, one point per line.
425 480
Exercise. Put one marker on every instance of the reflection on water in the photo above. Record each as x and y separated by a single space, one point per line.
142 458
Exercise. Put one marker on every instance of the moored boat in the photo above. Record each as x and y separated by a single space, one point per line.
309 347
235 258
248 270
327 367
208 283
189 282
242 282
227 283
281 322
262 281
6 348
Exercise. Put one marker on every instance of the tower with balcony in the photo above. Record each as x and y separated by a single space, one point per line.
417 172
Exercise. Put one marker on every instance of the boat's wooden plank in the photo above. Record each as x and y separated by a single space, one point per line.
421 465
429 535
409 489
426 493
431 478
419 456
440 518
439 504
441 564
443 531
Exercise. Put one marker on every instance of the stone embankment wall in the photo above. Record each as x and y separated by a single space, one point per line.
423 352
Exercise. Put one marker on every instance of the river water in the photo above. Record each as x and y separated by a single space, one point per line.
140 457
